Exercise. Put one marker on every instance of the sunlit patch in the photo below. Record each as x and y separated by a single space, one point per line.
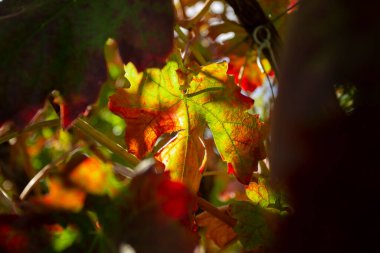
217 7
224 37
117 130
346 93
230 14
126 248
193 10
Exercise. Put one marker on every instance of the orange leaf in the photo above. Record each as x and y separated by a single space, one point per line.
94 176
62 196
216 230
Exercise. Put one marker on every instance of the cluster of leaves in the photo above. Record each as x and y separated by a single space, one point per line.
74 185
88 210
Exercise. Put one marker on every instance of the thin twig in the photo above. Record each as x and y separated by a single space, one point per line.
7 201
208 207
242 69
191 22
43 172
185 39
183 9
274 20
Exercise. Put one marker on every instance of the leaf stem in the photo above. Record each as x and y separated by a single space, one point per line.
43 172
195 52
7 202
27 164
191 22
208 207
89 131
183 9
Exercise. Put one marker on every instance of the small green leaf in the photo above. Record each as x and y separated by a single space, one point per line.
259 194
61 240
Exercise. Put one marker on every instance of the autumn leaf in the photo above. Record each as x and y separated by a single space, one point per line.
58 45
94 176
61 196
216 230
252 77
156 104
258 194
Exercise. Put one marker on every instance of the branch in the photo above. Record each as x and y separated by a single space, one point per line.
195 52
208 207
191 22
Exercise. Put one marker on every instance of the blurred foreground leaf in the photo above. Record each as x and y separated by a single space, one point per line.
58 45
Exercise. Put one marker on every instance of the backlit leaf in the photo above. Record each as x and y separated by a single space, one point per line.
94 176
258 193
216 230
252 77
157 104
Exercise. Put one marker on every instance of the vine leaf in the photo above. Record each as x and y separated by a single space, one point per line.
80 177
58 45
61 196
258 193
156 104
95 177
216 230
251 77
252 226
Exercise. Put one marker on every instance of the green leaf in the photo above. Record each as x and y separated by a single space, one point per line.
61 240
252 227
258 194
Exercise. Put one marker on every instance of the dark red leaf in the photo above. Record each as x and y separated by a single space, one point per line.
58 45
